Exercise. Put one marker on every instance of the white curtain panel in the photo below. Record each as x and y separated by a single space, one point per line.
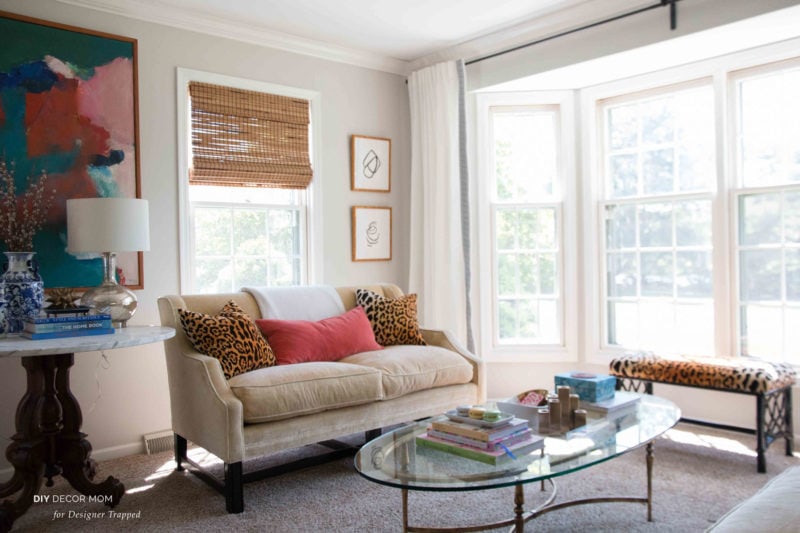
436 270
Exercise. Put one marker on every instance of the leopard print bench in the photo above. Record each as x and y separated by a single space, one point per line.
770 383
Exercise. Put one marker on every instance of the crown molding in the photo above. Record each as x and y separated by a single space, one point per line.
203 22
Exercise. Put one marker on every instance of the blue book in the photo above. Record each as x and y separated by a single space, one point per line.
69 333
62 319
99 322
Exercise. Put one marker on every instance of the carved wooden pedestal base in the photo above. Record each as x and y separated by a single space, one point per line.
48 441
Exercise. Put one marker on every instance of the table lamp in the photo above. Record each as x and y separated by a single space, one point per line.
107 226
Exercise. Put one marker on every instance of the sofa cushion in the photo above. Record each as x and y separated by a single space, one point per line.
285 391
231 336
299 341
394 320
407 369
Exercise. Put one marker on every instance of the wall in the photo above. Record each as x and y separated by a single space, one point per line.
130 390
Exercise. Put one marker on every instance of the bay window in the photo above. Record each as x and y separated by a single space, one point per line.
689 198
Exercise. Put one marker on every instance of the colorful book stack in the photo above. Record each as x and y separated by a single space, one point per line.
66 326
491 445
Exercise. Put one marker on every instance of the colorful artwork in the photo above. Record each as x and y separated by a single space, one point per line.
68 108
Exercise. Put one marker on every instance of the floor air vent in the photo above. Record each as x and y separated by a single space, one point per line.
158 442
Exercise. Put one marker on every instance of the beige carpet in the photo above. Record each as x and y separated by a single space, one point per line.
699 475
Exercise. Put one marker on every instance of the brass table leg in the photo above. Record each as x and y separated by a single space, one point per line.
519 508
405 510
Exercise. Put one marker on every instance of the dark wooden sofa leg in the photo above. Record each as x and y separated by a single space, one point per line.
180 452
234 488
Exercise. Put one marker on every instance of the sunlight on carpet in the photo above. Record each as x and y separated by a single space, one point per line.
706 440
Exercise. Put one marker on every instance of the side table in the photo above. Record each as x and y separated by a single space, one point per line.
48 439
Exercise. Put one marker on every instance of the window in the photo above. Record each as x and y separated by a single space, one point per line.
696 187
245 237
659 178
767 216
524 226
689 201
247 152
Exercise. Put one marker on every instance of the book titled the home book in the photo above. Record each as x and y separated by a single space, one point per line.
66 326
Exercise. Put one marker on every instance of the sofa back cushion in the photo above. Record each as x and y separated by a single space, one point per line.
330 339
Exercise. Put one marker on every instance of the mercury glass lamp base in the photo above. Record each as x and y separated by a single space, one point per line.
113 299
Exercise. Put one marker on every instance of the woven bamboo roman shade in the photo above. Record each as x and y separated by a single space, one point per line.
246 138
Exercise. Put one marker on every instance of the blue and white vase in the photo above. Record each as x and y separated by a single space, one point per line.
24 290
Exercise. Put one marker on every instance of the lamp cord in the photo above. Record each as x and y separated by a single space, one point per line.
100 363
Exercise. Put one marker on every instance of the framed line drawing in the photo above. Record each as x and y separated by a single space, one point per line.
372 233
69 109
370 164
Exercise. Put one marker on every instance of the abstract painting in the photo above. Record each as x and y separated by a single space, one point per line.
372 233
370 163
68 109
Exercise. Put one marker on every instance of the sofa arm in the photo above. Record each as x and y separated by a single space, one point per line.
443 339
203 406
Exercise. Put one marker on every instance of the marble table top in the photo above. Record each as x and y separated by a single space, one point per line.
121 338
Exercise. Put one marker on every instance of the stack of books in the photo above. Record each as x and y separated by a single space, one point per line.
56 327
492 445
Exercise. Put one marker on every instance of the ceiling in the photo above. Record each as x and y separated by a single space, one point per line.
400 29
401 36
384 34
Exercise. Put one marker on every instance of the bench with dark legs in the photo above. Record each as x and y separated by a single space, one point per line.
770 383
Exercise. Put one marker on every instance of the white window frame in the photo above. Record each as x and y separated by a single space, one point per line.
567 350
737 187
311 221
721 70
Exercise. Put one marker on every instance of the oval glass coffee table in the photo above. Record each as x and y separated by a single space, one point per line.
394 459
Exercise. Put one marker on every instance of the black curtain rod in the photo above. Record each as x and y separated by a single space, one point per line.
673 23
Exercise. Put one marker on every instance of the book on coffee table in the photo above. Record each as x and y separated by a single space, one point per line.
484 434
621 401
504 454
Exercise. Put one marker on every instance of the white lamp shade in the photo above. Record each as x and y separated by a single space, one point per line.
107 225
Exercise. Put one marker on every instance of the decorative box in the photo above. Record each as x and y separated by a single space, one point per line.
590 387
513 406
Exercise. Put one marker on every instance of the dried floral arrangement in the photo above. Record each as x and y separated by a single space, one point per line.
22 217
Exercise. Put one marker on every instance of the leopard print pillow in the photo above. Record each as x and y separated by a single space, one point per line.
231 336
394 321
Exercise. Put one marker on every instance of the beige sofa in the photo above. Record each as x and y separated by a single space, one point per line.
287 406
772 509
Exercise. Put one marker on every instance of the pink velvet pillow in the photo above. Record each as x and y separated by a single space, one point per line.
299 341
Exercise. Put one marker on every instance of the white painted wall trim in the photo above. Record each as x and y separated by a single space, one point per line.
154 11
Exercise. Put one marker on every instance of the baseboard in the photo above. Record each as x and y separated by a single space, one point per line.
102 454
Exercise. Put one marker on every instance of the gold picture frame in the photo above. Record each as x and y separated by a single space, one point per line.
371 233
370 163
